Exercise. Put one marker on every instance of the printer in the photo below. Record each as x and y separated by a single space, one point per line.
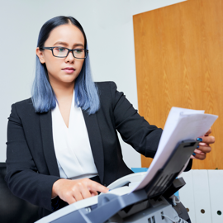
154 203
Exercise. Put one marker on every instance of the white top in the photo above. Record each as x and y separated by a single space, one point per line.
72 146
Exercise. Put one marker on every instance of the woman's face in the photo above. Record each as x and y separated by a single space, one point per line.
62 70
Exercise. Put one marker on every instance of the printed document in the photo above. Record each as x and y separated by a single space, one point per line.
182 124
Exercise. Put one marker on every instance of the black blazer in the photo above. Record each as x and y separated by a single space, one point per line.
31 162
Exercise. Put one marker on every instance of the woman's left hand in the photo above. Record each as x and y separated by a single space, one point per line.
204 146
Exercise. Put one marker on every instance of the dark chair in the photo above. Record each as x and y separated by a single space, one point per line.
14 209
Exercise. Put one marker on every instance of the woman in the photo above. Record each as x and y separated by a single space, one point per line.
62 143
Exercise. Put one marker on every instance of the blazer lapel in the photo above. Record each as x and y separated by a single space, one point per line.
96 142
94 137
48 147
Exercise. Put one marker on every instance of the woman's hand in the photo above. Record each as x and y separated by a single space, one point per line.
75 190
204 146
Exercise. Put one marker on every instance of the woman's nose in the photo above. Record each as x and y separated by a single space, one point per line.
70 57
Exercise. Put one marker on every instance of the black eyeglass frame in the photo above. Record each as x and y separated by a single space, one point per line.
69 50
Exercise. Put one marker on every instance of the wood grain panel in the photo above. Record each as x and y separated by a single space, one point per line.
179 58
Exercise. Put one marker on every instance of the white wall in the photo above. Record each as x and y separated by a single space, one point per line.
109 29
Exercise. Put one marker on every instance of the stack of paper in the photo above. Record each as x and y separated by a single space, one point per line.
182 124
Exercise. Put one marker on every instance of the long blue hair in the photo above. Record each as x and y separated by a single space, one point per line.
43 97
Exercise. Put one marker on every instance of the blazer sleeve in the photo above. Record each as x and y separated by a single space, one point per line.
22 176
134 129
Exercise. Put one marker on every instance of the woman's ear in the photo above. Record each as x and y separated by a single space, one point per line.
39 53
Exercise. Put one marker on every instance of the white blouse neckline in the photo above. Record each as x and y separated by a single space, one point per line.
72 145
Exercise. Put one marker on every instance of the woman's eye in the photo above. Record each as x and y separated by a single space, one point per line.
78 50
60 49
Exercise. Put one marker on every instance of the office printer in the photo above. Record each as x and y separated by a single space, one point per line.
154 203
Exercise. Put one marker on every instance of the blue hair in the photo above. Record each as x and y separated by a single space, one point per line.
86 93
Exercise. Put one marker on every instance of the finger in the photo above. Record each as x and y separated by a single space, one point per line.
192 157
208 132
197 151
208 139
200 156
204 149
76 192
70 200
85 192
94 193
94 186
78 196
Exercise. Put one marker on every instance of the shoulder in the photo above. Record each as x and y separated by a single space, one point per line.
27 101
23 106
107 90
106 85
109 95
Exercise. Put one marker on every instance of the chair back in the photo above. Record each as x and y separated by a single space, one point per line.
12 208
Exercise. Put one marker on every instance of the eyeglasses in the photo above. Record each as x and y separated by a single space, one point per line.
63 52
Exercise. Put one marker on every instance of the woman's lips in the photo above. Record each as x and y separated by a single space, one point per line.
69 70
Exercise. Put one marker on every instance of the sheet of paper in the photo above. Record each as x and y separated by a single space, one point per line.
171 122
182 124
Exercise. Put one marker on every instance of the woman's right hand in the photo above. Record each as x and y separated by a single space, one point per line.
75 190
